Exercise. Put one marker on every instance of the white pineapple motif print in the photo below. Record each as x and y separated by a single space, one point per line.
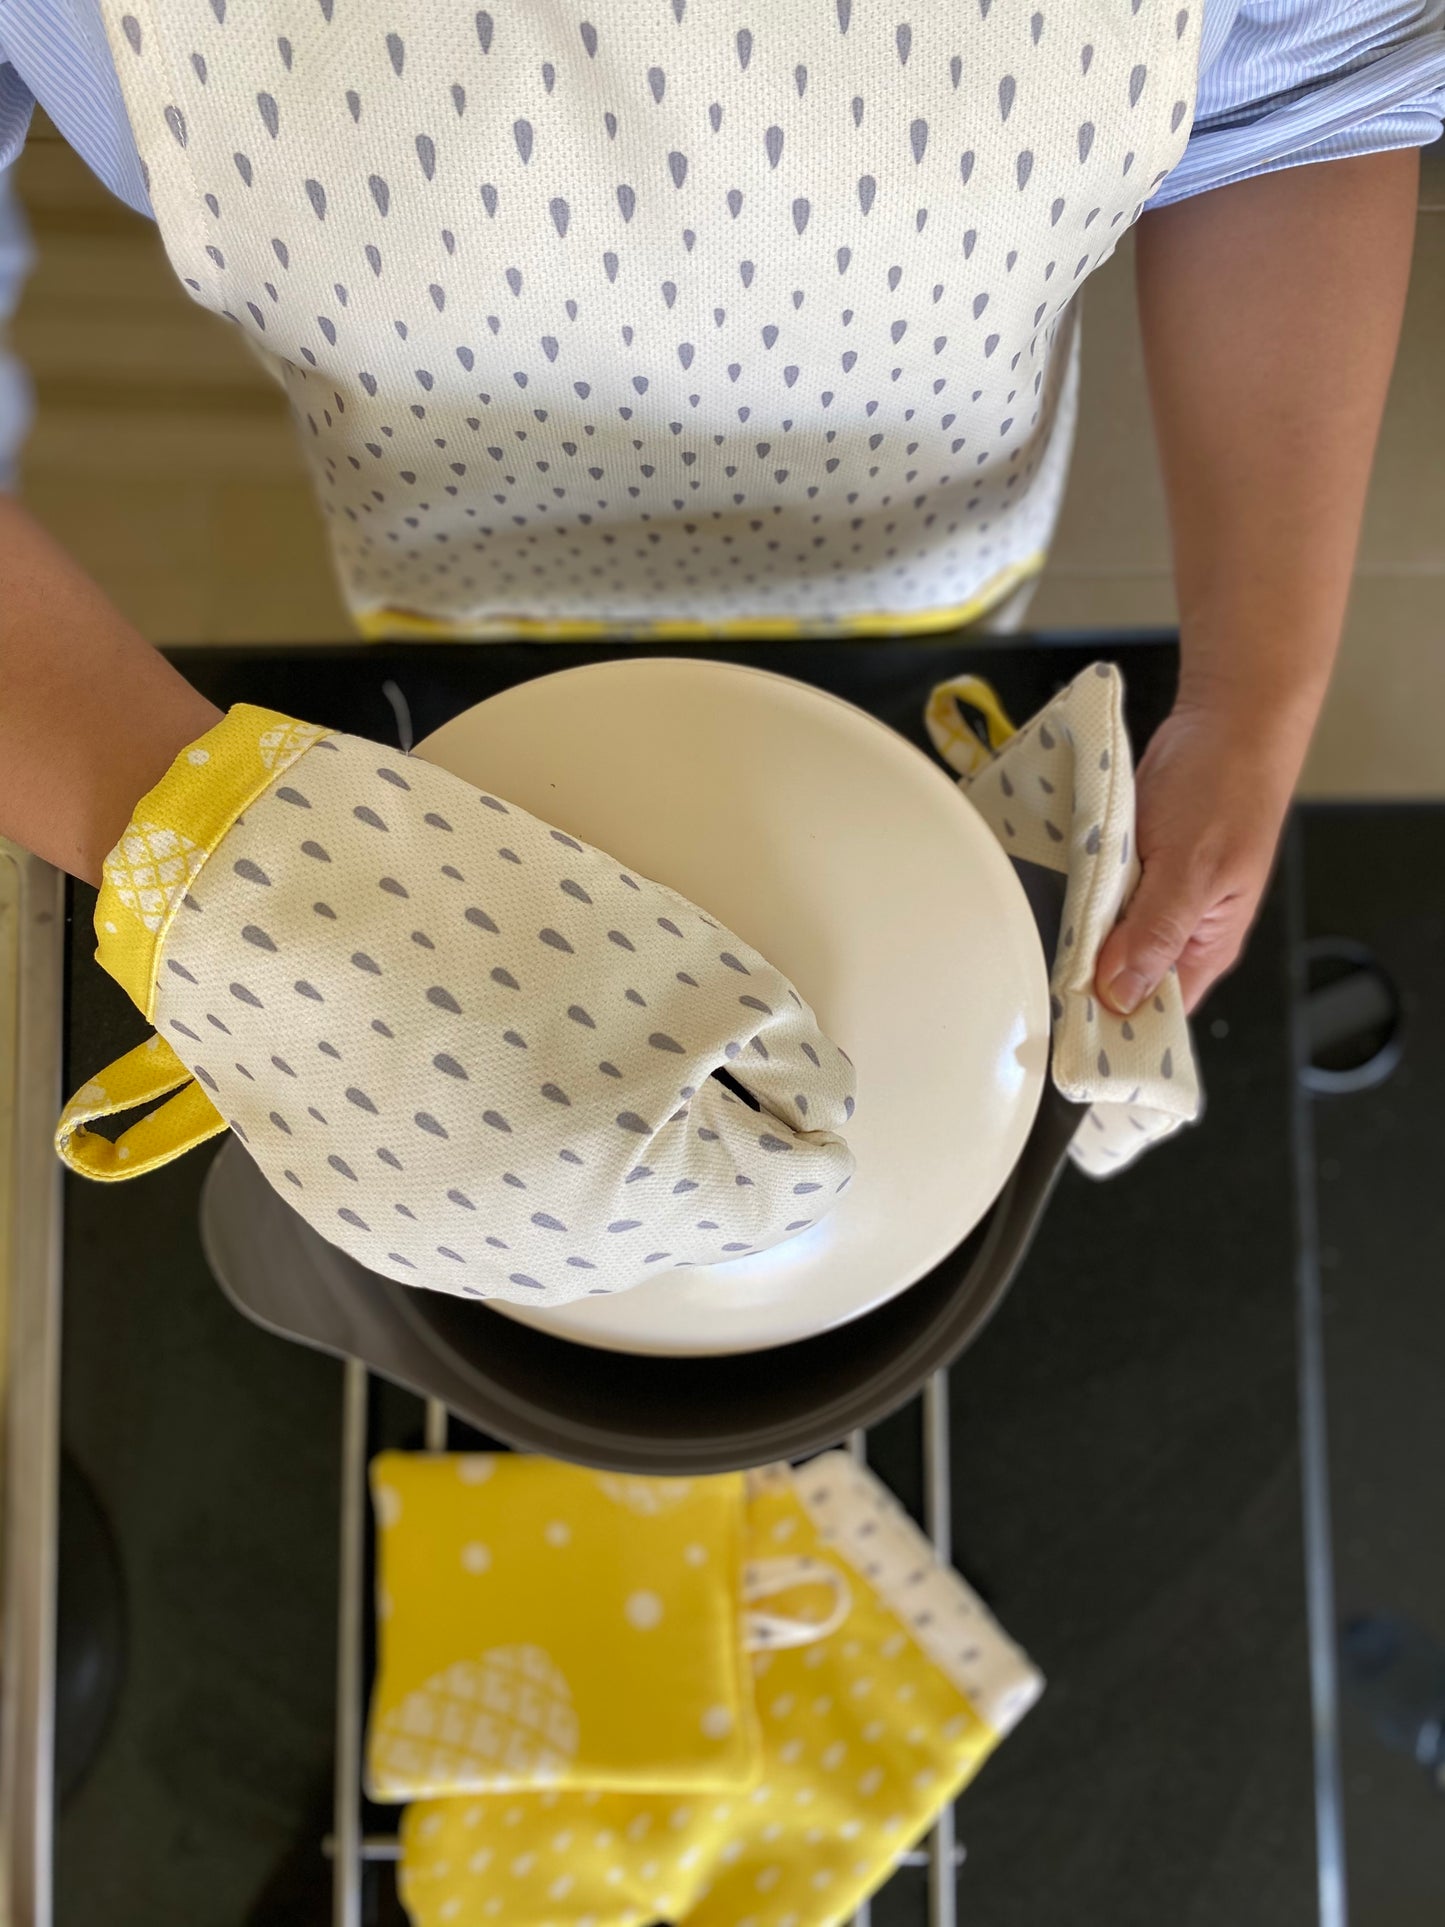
281 745
150 869
503 1720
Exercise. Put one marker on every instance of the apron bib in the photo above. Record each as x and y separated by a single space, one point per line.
688 315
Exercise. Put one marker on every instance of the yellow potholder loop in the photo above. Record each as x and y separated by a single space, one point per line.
956 741
150 1071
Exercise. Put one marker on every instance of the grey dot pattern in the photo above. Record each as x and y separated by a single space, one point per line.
487 1113
860 1521
1061 794
698 319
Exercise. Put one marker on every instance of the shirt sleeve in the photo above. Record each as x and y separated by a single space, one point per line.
16 406
54 53
17 104
1287 82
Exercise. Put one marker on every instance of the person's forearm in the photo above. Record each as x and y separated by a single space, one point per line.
91 715
1270 314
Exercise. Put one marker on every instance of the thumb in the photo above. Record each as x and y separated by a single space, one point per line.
1153 933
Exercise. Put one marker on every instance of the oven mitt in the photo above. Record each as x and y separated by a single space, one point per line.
1060 793
866 1734
469 1050
540 1625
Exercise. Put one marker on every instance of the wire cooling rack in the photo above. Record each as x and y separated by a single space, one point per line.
352 1849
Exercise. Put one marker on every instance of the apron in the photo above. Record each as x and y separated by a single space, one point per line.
685 317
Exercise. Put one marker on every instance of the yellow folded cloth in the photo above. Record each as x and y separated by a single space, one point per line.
866 1733
544 1625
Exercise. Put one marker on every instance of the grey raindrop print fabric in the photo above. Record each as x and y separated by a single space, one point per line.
483 1057
625 316
1060 793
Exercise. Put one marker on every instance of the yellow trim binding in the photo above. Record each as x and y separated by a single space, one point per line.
408 625
176 827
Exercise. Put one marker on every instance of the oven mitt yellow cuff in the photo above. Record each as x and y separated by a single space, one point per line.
469 1050
1060 793
866 1732
175 828
540 1625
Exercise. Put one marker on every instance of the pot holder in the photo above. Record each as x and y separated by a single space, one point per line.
866 1733
468 1049
1060 793
543 1625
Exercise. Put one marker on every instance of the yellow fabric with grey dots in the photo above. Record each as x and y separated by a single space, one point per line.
864 1731
470 1050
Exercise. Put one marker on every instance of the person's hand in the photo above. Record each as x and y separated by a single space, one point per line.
1213 789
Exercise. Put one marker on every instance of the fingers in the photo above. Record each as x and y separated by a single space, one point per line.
1156 930
1205 960
1197 974
1173 921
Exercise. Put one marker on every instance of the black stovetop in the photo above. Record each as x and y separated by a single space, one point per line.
1125 1446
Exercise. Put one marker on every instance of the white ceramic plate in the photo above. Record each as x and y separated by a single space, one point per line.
855 865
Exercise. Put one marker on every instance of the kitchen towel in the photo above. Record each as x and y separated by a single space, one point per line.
470 1050
1060 793
866 1732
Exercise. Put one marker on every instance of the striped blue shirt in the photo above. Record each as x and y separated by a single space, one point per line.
1281 83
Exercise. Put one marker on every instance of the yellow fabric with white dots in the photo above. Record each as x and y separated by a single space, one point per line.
545 1625
866 1734
175 828
150 1071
